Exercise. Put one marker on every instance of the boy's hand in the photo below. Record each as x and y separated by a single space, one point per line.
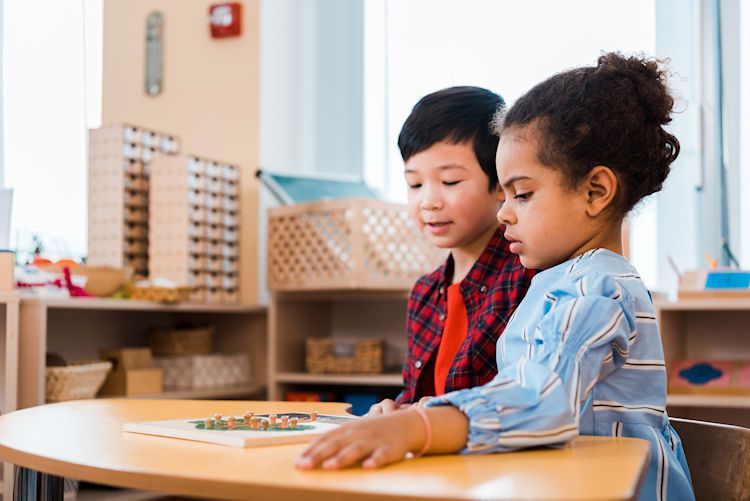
372 441
387 405
384 407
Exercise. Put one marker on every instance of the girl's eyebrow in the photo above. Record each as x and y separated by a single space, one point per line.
513 179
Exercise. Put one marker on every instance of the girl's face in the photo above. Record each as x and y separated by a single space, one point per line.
546 222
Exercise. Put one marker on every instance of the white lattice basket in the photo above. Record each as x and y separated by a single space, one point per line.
351 243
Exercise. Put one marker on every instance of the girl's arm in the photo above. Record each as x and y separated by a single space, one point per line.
535 401
387 438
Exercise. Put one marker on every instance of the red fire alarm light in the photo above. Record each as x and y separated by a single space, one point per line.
225 19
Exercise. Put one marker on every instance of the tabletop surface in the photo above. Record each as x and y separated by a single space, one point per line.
84 440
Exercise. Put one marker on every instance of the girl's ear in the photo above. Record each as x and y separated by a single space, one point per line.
601 189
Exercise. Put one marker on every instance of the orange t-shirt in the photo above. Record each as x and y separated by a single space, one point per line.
454 333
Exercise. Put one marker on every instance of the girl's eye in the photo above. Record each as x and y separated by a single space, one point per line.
451 183
415 186
523 196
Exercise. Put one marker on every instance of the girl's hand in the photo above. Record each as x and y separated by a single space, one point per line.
372 442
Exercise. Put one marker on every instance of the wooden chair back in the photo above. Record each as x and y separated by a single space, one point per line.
719 458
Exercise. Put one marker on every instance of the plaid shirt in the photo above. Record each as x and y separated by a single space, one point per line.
491 291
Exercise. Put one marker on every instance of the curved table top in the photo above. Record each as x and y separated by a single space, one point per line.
84 440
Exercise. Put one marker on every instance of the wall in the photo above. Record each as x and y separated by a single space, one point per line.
210 94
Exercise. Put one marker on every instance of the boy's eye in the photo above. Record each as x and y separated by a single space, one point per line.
523 196
414 186
451 183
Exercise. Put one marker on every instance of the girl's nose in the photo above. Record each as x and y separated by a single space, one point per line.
504 215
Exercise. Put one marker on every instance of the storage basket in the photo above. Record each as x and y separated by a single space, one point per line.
204 371
75 381
344 356
354 243
160 294
184 341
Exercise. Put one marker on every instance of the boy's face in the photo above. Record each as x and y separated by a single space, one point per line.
545 221
449 196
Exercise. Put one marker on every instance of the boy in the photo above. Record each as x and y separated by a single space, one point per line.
456 313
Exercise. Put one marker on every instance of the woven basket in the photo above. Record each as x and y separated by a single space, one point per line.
192 341
346 244
344 356
75 381
160 294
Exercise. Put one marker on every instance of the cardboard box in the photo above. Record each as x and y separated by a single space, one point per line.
189 372
126 382
133 374
128 358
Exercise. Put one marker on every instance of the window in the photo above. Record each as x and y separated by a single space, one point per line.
45 87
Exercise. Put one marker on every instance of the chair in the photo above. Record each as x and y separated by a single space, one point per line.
719 458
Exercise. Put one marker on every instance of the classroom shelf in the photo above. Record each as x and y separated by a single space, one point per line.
76 328
295 317
349 379
715 401
708 329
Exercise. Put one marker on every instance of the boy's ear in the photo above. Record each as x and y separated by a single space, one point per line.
601 189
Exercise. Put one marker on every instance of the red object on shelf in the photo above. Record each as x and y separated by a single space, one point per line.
225 19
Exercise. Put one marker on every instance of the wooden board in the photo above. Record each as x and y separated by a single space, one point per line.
240 435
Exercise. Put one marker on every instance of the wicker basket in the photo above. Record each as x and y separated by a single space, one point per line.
191 341
75 381
344 356
346 244
160 294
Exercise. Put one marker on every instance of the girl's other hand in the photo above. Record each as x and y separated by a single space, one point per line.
372 442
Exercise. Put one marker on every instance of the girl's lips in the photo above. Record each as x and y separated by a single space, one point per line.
515 247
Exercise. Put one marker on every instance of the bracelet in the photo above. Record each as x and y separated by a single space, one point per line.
428 430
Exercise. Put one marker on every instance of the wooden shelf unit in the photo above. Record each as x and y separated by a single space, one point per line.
711 329
294 317
9 313
77 327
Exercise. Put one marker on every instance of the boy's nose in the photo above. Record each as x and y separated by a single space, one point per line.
430 204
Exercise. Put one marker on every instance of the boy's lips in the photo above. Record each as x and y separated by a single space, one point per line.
437 227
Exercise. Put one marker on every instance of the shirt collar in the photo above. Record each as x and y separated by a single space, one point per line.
489 263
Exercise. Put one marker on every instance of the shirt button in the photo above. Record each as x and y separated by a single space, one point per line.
442 316
483 288
418 364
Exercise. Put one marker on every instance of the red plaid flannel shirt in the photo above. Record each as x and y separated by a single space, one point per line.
491 291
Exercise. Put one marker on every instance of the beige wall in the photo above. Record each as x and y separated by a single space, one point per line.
209 97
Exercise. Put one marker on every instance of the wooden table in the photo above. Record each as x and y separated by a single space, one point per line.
84 440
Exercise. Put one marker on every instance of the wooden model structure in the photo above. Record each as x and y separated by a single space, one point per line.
119 165
194 234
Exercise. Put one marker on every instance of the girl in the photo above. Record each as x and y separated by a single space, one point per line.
582 354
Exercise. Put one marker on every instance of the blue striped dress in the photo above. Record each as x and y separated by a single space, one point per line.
581 355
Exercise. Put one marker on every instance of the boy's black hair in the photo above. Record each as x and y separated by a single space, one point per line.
610 114
455 115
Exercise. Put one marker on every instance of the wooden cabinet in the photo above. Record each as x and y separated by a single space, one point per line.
707 329
296 316
9 304
78 328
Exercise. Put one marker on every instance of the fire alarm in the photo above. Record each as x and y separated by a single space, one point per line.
225 19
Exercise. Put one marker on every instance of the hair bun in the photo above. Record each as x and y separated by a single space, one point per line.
649 83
